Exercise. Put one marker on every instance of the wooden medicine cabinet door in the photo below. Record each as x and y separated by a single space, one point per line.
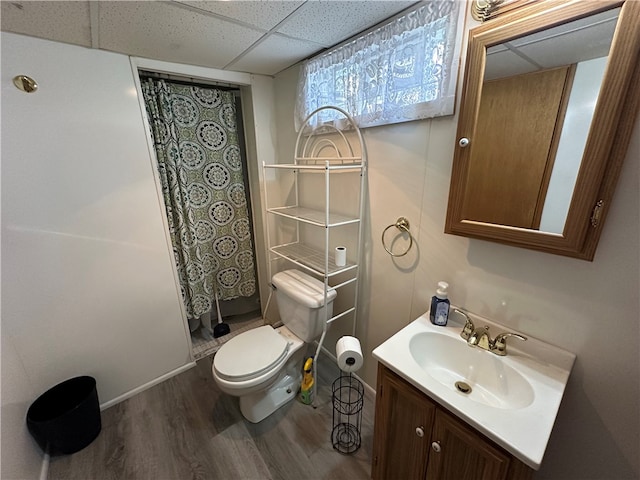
567 195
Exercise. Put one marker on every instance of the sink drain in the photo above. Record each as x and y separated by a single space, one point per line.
463 387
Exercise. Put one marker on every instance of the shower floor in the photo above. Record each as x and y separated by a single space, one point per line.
203 343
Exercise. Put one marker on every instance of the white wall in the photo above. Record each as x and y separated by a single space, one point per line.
87 282
589 308
258 106
87 272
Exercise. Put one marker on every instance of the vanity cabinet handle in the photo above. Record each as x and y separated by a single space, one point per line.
436 447
420 431
463 142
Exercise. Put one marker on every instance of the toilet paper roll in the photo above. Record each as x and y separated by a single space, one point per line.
349 354
341 256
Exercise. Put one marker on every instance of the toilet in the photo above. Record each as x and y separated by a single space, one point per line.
263 366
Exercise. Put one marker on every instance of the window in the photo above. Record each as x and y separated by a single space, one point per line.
404 70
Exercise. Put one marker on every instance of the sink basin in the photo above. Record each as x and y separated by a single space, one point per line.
513 400
450 360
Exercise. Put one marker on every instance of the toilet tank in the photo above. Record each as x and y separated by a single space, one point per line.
300 300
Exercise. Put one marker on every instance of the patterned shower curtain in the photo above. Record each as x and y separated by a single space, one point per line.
196 142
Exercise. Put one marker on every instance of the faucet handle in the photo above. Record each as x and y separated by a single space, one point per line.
468 328
499 346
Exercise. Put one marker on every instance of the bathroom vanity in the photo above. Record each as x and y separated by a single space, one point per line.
446 408
416 438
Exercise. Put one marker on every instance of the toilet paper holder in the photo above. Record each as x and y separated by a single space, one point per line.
348 401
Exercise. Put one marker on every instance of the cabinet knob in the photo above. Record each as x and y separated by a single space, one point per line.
463 142
436 447
420 431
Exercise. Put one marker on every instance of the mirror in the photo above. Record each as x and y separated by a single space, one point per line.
538 95
546 116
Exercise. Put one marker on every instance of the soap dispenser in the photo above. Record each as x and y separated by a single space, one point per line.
439 312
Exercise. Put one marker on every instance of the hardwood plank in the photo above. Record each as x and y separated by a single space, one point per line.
236 455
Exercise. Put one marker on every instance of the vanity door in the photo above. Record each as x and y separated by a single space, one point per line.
458 452
402 429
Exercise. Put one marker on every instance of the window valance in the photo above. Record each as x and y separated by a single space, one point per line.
403 70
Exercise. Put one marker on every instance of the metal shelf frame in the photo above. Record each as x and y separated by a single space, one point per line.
311 157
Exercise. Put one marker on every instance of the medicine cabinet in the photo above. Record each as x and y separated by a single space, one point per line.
531 168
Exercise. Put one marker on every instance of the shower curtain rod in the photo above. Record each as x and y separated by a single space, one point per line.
182 80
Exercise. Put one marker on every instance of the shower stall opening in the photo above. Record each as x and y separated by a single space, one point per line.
198 139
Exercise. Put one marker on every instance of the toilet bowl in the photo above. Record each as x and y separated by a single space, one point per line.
263 366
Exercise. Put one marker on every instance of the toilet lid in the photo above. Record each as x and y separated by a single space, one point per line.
250 354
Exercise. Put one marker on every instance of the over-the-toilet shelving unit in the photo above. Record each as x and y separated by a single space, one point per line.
325 149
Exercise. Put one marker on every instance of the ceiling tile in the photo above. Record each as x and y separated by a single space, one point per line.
275 54
577 41
574 45
171 33
264 14
331 21
211 34
506 63
66 22
596 29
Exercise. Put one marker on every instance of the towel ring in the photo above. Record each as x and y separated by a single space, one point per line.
401 224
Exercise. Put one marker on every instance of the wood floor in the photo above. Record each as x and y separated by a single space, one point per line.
185 428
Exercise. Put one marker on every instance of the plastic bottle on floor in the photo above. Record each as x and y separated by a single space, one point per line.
308 383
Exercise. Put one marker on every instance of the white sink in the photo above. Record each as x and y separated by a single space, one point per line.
513 400
491 381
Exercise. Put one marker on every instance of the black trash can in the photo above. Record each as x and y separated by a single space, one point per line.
66 418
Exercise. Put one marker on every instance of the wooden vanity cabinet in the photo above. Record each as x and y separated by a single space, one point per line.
415 438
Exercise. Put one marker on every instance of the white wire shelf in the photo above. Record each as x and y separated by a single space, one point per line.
331 160
325 153
313 217
337 167
310 258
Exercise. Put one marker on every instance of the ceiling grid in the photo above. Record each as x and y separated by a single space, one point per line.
260 37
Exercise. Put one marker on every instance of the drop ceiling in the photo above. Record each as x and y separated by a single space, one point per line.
263 37
583 39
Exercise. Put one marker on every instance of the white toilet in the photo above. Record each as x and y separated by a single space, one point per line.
263 366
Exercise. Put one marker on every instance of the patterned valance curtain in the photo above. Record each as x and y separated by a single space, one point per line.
404 70
196 143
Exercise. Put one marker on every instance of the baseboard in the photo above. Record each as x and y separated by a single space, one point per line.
152 383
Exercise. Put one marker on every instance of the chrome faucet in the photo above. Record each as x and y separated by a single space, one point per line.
479 337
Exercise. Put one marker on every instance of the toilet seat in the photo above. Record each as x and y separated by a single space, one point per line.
251 354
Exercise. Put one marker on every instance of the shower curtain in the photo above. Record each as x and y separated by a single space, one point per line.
201 172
